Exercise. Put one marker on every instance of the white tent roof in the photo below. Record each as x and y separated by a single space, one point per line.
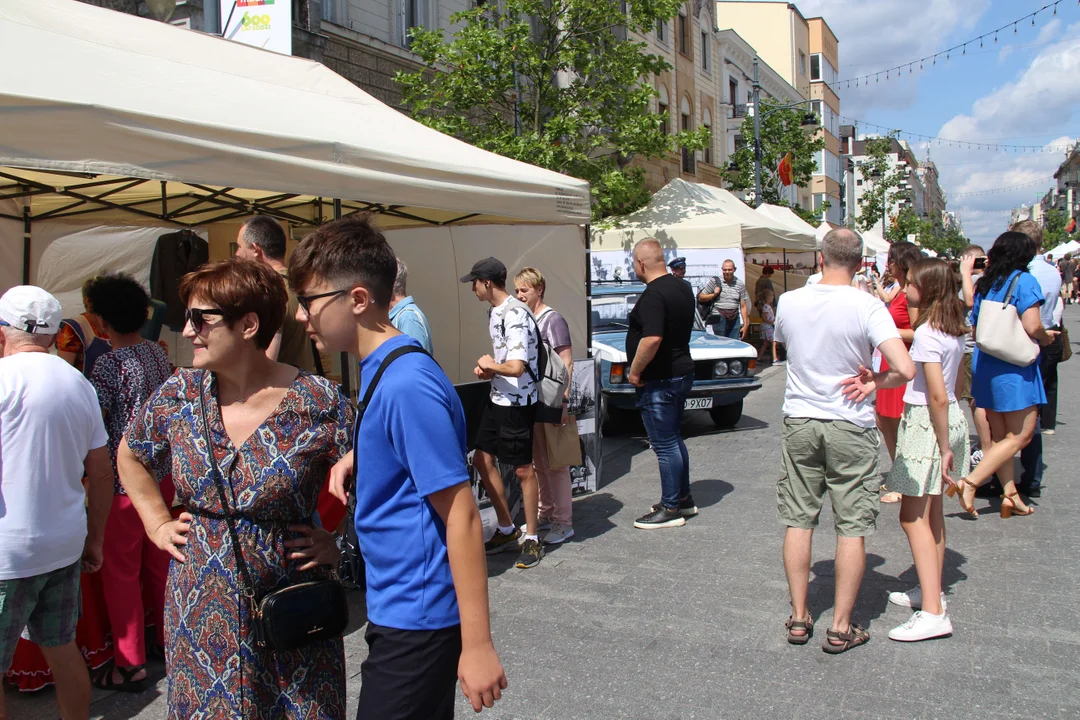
1067 248
786 216
691 215
109 96
873 243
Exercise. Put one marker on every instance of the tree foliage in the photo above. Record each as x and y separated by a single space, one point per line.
884 188
1054 224
553 83
781 133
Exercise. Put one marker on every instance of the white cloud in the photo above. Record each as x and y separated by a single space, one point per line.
1049 32
1006 51
876 35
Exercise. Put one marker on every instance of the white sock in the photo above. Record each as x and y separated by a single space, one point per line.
507 530
534 538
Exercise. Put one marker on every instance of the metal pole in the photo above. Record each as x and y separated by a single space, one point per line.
26 238
588 290
757 136
346 364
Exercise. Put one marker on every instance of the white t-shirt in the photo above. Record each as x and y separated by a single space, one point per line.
813 279
49 420
934 346
514 336
829 331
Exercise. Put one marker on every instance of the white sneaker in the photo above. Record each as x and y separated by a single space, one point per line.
922 626
1049 431
559 533
976 457
542 524
912 599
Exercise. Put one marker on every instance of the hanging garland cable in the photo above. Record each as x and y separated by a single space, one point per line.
863 80
996 191
969 144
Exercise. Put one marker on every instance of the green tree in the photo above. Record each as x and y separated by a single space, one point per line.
884 188
781 133
554 83
1054 223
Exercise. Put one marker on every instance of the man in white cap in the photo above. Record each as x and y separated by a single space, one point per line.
51 433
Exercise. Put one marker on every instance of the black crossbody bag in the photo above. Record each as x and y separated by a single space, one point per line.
294 616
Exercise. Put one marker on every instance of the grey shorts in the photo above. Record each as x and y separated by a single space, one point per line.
834 457
47 606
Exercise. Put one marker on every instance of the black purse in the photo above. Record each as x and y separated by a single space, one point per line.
292 617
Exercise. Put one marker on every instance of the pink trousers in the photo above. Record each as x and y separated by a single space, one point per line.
133 574
555 493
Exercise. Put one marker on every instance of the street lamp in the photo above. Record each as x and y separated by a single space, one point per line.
809 123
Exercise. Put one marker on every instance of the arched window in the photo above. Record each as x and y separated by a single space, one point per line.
706 120
689 157
664 108
685 111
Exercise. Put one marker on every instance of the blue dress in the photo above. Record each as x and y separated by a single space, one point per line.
996 384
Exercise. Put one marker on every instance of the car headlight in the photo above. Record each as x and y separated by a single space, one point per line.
617 376
720 369
736 367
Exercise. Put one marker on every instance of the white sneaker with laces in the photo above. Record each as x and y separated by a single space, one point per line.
976 457
542 524
922 626
912 599
559 533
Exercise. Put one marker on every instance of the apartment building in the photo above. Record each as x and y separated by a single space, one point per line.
826 185
911 192
1066 195
779 33
935 197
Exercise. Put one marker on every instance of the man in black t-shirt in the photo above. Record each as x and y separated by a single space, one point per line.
658 349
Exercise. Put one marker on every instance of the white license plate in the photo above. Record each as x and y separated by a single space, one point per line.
704 403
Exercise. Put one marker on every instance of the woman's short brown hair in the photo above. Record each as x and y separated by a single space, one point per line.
238 287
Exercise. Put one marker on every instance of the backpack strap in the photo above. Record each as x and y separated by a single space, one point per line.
391 357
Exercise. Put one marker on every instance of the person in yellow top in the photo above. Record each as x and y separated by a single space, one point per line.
262 239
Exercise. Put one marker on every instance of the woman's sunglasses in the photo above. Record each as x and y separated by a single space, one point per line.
196 316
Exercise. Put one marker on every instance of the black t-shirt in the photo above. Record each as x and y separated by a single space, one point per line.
666 308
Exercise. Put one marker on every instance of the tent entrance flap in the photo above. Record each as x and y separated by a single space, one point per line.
61 195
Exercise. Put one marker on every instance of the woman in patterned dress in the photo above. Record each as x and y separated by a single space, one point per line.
274 434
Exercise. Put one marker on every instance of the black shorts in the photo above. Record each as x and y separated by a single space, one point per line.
507 433
409 674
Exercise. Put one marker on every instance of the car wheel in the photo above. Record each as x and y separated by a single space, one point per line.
612 418
726 416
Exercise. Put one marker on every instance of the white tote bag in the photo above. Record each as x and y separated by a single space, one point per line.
999 331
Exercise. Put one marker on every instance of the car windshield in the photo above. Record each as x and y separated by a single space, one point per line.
613 313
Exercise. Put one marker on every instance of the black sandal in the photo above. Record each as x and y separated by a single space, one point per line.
807 626
104 678
853 638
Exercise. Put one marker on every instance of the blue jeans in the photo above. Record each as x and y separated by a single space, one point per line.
661 404
1031 461
728 328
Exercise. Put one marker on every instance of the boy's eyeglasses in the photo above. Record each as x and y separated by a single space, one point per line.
306 300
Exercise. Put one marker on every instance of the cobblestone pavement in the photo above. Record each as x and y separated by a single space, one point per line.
688 622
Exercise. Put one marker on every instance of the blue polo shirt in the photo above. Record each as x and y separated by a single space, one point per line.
410 445
408 318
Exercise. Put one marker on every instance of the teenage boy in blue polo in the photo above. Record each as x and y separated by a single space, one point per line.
416 518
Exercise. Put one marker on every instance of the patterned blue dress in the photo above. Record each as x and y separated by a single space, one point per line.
273 480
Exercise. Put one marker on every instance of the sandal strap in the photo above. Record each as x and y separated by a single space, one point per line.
793 624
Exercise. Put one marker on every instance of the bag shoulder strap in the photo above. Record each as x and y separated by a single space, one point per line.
1012 289
390 357
246 586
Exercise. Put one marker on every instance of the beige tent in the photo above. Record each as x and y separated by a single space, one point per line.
691 215
112 120
786 216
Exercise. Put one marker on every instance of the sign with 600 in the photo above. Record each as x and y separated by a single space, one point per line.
262 23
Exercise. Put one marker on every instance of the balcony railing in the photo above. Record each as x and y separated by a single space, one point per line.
740 111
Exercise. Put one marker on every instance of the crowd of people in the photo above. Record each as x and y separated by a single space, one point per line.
197 493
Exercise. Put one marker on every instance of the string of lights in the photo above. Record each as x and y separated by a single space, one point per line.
950 142
897 71
998 191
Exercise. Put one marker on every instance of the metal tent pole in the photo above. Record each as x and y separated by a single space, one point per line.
346 364
26 238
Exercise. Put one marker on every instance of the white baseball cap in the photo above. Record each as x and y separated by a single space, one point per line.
31 309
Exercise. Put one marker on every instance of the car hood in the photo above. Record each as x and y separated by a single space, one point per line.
612 346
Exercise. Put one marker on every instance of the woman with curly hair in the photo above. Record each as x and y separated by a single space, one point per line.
1010 394
134 569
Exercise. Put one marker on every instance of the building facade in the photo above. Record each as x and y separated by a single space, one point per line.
824 72
911 192
1066 195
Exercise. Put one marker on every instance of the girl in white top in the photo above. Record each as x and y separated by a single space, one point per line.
932 442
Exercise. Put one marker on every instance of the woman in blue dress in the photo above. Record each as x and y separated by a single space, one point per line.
1010 394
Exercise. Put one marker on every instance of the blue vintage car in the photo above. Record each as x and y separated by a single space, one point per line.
721 365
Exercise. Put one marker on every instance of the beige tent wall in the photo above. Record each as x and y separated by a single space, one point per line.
438 257
11 246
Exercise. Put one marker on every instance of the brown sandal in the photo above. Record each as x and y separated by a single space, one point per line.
853 638
958 490
807 626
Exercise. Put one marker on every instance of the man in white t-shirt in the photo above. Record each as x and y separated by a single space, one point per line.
830 442
506 428
51 529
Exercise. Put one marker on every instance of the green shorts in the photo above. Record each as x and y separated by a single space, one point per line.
46 605
831 456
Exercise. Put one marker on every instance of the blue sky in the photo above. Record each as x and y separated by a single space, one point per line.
1025 89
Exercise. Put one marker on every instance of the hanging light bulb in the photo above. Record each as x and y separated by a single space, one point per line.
965 50
995 37
980 43
1032 21
1055 9
1014 28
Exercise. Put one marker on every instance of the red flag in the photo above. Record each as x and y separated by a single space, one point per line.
1071 227
785 170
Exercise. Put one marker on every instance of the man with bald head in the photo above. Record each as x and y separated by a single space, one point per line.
658 350
730 313
829 443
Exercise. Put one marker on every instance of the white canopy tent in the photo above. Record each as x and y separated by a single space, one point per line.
786 216
112 120
1064 249
873 243
691 215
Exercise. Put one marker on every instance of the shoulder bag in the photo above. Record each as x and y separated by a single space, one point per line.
999 331
294 616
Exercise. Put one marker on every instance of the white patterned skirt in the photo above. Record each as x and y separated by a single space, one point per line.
917 468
